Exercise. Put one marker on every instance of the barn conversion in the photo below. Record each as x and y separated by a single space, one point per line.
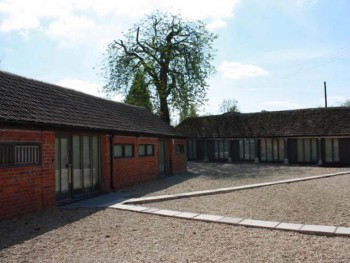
58 145
308 136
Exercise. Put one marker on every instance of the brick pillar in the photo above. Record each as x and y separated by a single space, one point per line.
48 169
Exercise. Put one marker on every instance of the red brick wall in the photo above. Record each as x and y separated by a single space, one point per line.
128 171
178 162
28 188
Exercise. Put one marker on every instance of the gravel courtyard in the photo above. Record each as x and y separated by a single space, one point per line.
110 235
322 202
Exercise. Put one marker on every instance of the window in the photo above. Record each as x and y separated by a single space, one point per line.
179 148
19 154
307 150
146 150
272 149
221 149
247 149
123 151
192 149
331 150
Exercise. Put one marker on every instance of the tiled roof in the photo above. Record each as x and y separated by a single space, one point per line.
28 101
334 121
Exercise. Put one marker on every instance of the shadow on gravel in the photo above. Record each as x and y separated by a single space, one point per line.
141 189
214 171
221 171
19 229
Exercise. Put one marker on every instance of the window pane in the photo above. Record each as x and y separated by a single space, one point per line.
252 149
87 162
246 150
150 150
142 150
77 172
128 150
300 146
241 149
328 146
118 151
179 148
64 165
95 161
307 149
281 149
314 153
226 149
216 150
269 149
336 150
263 150
275 149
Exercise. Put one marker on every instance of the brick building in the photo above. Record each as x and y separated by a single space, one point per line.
58 145
319 136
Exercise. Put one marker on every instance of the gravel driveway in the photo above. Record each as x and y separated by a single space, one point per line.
109 235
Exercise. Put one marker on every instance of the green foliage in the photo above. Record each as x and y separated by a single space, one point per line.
229 105
345 103
186 112
139 94
174 54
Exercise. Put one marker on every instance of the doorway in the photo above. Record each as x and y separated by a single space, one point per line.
77 166
163 157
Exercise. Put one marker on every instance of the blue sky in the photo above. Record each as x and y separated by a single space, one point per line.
271 54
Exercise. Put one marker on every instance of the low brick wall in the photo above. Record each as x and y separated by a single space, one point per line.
178 161
128 171
28 188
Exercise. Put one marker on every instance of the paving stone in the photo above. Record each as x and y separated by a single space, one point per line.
186 215
164 212
343 231
230 220
130 207
259 223
150 210
318 229
289 226
205 217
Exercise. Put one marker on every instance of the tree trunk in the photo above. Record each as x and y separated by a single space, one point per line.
164 110
162 92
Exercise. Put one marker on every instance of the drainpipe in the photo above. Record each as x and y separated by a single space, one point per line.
111 138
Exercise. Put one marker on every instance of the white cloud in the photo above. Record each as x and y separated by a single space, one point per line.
199 9
236 70
71 29
219 23
70 19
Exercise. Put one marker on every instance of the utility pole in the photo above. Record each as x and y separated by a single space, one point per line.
325 94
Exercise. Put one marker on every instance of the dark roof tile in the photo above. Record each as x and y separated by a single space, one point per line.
30 101
334 121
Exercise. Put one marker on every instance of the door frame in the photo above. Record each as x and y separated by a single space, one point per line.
163 157
96 185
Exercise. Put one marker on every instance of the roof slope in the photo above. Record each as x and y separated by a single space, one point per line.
29 101
292 123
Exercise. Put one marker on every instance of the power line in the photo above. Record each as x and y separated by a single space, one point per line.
320 61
